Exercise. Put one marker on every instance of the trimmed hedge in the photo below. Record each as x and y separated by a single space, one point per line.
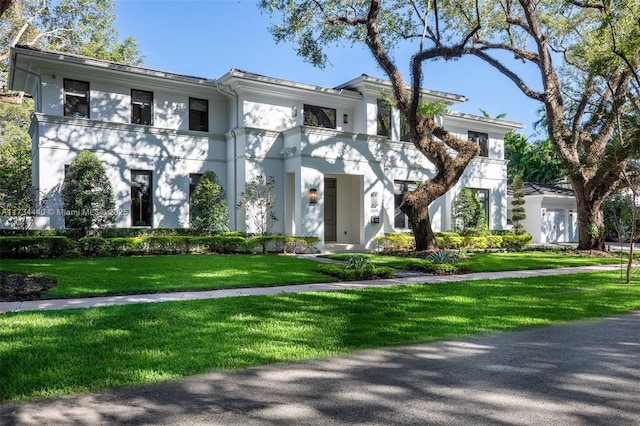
232 242
347 274
455 241
34 247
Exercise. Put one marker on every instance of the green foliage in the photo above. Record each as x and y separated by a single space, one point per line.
518 211
87 195
468 212
209 211
442 257
618 217
259 202
394 242
35 247
533 161
357 261
351 274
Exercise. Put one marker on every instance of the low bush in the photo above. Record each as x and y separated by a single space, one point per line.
516 242
349 274
394 242
231 242
35 247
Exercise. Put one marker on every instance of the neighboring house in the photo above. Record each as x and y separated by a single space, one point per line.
551 213
339 156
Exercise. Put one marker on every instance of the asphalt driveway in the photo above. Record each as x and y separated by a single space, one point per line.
584 373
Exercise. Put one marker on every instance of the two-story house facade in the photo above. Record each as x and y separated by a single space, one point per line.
339 156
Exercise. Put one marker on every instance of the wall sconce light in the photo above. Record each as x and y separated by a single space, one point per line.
313 197
544 211
570 212
345 118
294 111
374 200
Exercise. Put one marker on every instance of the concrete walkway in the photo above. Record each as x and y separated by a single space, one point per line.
404 278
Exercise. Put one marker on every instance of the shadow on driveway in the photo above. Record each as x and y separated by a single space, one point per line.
575 374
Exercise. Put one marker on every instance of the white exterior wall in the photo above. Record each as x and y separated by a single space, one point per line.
255 128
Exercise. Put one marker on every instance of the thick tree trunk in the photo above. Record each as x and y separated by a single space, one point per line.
590 222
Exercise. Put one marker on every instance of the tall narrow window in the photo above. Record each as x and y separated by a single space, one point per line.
318 116
481 139
405 135
141 198
194 178
384 118
76 98
141 107
400 188
483 196
199 114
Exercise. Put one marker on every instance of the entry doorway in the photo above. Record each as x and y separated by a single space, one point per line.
330 210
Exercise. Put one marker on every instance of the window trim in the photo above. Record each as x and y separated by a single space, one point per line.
68 112
150 123
487 207
204 124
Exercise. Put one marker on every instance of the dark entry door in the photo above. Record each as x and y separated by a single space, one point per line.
330 214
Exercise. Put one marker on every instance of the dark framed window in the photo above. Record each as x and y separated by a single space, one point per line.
141 198
481 139
199 114
384 118
400 220
194 178
141 107
76 98
318 116
483 196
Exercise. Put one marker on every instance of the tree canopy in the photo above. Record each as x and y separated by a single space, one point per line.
583 58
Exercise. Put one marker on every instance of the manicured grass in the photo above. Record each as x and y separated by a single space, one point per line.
52 353
151 274
496 262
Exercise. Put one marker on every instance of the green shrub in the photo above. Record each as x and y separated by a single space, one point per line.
449 240
346 274
394 242
94 246
442 257
358 261
35 247
516 242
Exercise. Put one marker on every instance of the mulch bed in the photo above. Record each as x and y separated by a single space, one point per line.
20 287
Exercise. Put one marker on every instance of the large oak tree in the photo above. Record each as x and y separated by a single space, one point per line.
581 61
314 24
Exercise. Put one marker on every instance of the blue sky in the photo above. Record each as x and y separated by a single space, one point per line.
207 38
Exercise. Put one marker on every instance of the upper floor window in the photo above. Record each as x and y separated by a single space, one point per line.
199 114
141 107
317 116
384 118
481 139
405 134
76 98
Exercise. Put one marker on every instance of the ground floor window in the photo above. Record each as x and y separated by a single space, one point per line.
400 188
194 178
141 198
483 196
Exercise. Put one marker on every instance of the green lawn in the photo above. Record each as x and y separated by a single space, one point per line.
151 274
52 353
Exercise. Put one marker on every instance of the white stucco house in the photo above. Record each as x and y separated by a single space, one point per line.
338 155
551 213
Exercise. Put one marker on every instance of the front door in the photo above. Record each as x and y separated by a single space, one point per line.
330 211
